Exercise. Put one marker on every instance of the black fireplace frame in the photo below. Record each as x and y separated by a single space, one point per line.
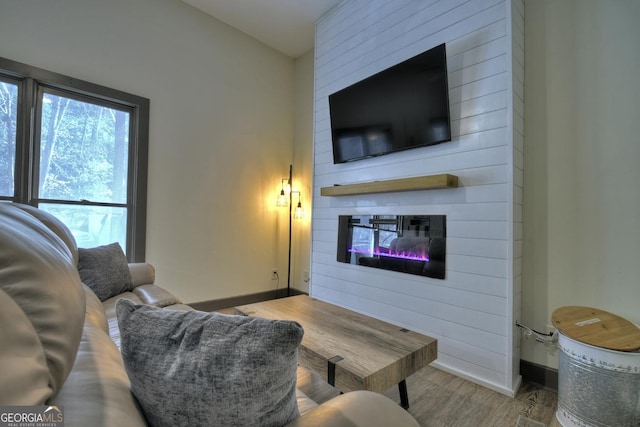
413 244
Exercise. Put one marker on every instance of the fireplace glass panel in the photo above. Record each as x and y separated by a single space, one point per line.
414 244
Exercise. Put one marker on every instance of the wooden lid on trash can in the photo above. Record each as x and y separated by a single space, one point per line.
597 327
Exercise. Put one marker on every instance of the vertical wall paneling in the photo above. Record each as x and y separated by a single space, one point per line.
517 118
472 311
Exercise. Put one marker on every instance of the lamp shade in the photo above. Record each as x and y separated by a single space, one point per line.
299 212
283 200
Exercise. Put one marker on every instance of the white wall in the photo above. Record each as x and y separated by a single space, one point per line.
303 169
221 128
472 311
582 201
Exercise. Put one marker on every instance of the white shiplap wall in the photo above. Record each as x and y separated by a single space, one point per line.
517 127
472 312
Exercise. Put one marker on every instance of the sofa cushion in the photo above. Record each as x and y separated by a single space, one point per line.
97 392
22 362
196 368
110 306
105 270
110 311
44 304
55 225
95 310
357 408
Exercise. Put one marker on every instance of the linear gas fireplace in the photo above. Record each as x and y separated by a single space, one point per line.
414 244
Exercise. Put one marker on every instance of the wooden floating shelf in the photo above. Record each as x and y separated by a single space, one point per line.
429 182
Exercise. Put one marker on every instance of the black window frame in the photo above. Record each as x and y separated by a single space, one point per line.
29 80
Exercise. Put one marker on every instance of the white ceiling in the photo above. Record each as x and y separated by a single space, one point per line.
285 25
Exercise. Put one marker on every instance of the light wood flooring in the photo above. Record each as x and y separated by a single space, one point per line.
439 399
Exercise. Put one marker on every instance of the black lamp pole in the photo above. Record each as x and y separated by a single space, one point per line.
290 212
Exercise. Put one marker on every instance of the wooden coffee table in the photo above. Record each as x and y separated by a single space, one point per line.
351 350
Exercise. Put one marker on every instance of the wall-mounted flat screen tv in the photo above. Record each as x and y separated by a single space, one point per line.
402 107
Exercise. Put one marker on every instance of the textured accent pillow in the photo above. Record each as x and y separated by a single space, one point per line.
201 369
105 270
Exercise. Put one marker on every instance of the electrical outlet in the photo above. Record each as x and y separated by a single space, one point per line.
305 276
274 274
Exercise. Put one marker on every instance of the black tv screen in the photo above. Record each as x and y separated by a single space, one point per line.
402 107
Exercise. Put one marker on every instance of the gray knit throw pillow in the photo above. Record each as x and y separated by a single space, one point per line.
191 368
105 270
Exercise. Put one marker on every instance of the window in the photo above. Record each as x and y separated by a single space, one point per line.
78 151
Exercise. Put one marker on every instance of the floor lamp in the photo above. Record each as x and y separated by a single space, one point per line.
297 214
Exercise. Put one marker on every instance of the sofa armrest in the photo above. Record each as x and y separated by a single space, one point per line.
155 295
142 273
356 408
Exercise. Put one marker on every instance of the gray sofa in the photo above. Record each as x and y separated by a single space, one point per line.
60 343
